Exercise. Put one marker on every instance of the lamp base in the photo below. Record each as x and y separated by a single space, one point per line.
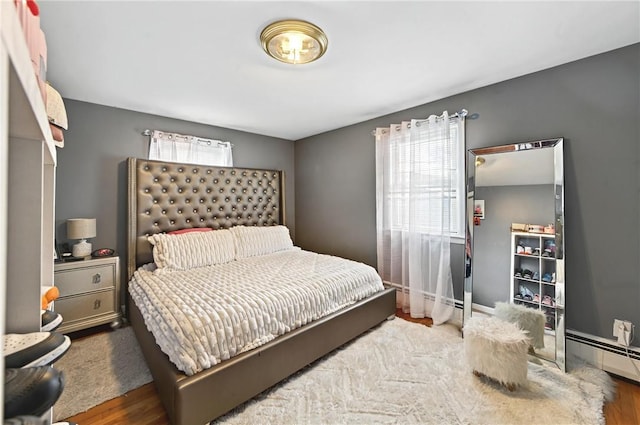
81 249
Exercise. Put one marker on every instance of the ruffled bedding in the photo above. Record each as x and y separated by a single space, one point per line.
202 316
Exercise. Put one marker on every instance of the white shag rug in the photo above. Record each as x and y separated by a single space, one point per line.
403 372
399 372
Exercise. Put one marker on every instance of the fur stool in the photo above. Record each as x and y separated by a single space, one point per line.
496 349
528 319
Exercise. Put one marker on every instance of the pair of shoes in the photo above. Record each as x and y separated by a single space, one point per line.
526 292
549 322
31 384
31 391
546 277
34 349
527 274
49 320
547 300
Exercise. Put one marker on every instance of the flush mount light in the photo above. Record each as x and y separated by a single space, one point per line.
293 41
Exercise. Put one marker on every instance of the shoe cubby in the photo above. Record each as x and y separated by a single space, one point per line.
27 164
533 273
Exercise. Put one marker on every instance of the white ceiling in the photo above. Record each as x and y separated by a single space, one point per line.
202 61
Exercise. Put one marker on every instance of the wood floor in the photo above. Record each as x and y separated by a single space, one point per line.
142 406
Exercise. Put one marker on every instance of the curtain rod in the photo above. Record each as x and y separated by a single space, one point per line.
460 114
147 132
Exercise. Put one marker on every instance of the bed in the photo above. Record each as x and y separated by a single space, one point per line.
166 197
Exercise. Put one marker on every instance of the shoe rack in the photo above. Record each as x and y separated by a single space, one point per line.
27 186
533 274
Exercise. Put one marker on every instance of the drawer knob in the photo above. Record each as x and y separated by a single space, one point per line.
96 304
97 278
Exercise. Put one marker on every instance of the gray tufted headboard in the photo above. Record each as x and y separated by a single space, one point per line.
165 196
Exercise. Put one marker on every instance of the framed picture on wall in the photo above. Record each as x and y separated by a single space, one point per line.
478 209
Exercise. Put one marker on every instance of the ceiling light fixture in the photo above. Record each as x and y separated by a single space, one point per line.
293 41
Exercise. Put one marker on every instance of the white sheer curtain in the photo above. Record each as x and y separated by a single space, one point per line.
417 211
190 149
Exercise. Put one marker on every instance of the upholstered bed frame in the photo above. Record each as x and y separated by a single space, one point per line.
170 196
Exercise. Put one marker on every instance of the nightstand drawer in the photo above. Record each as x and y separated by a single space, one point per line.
86 306
81 280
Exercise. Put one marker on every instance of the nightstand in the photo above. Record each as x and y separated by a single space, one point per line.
89 293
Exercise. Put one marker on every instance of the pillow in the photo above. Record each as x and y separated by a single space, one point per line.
260 240
190 230
192 249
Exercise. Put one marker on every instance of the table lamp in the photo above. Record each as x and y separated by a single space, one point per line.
83 229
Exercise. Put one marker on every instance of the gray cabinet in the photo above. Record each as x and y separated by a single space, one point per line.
89 293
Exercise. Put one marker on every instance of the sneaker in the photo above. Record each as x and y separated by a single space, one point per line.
527 274
536 251
31 391
536 276
49 320
34 349
547 300
526 292
546 277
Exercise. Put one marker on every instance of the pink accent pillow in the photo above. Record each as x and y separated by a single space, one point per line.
191 230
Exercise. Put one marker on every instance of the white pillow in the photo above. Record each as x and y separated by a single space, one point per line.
260 240
188 250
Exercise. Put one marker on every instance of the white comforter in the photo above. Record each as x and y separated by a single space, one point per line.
205 315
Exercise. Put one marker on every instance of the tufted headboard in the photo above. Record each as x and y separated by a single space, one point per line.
166 196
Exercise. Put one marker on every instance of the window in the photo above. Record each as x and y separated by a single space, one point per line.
426 181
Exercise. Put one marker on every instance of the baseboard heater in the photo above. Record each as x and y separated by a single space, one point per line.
604 354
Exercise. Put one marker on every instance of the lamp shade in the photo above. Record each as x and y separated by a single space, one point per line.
81 228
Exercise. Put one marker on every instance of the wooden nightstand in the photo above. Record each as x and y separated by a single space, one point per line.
89 293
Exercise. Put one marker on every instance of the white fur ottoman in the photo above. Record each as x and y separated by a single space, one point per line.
528 319
496 349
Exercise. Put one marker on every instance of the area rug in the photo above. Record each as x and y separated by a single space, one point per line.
403 372
399 372
99 368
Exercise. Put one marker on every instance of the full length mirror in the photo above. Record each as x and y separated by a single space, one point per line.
515 225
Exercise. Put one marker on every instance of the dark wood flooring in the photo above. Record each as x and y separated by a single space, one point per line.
143 407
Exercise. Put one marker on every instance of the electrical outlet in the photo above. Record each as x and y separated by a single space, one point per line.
622 329
617 326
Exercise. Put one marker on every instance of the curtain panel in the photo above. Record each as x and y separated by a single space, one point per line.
175 147
418 209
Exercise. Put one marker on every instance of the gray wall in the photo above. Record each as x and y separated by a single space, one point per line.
492 254
91 175
593 103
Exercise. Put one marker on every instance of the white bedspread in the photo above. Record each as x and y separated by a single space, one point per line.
202 316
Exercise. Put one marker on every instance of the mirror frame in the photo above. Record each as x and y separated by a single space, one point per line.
557 144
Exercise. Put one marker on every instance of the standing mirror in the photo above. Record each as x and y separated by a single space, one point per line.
515 225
